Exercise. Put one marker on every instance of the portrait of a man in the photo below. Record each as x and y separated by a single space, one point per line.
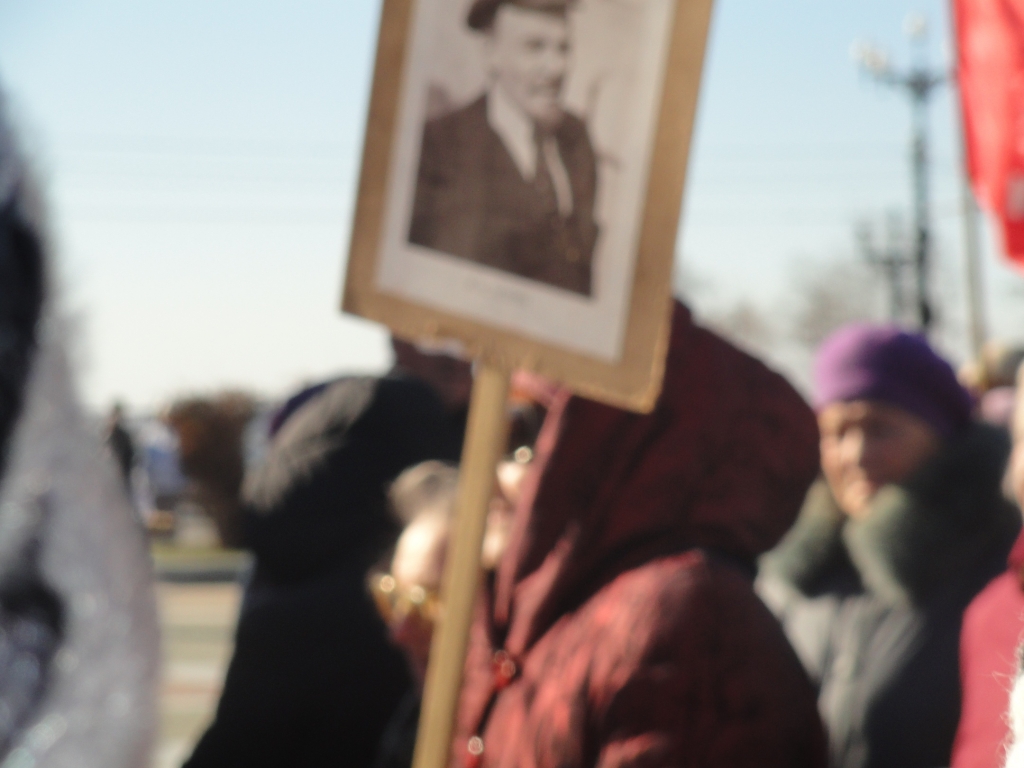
510 180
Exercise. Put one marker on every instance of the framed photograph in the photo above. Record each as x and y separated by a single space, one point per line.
522 181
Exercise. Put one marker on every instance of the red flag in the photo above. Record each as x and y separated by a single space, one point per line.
990 43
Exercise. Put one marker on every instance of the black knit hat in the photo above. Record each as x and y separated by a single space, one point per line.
319 498
482 12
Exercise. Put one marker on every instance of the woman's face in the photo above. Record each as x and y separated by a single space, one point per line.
867 444
416 570
418 566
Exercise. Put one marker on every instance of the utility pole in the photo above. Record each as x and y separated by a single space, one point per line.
972 237
919 83
891 258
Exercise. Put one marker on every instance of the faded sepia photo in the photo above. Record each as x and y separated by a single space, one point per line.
509 180
520 162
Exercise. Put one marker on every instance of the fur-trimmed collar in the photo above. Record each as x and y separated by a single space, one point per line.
934 531
68 540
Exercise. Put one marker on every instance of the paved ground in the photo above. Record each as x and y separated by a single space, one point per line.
198 622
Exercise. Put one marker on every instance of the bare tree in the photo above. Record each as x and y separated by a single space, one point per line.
210 432
746 325
829 295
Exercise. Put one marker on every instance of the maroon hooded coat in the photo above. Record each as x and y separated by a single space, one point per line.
621 628
991 634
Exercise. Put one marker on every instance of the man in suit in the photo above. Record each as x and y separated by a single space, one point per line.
509 181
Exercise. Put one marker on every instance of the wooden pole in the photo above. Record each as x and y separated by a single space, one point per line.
486 433
972 270
973 286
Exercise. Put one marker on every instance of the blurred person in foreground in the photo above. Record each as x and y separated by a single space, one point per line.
621 627
992 631
314 679
907 526
78 630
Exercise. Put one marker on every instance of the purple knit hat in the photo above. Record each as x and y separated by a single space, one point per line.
883 362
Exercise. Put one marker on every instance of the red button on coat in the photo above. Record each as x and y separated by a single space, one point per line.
474 752
505 669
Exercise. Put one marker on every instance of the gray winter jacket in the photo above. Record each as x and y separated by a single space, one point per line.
873 606
78 631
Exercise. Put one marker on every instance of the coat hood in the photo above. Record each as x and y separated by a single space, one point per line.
722 463
317 503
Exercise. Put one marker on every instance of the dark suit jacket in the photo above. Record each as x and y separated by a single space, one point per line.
472 201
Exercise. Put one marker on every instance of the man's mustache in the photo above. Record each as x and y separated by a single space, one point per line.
548 87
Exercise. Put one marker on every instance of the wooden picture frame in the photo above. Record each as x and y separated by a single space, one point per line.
625 370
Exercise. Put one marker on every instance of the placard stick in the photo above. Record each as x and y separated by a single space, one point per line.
486 433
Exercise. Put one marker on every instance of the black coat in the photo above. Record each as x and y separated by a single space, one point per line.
314 679
873 606
472 201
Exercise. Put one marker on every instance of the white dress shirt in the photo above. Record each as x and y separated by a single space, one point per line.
516 131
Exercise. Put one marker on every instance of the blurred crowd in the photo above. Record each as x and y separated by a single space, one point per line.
737 578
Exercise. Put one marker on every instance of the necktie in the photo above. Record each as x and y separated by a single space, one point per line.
551 179
542 178
552 183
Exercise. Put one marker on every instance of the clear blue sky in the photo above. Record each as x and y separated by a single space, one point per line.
201 156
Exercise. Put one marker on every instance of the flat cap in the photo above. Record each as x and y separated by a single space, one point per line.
482 12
